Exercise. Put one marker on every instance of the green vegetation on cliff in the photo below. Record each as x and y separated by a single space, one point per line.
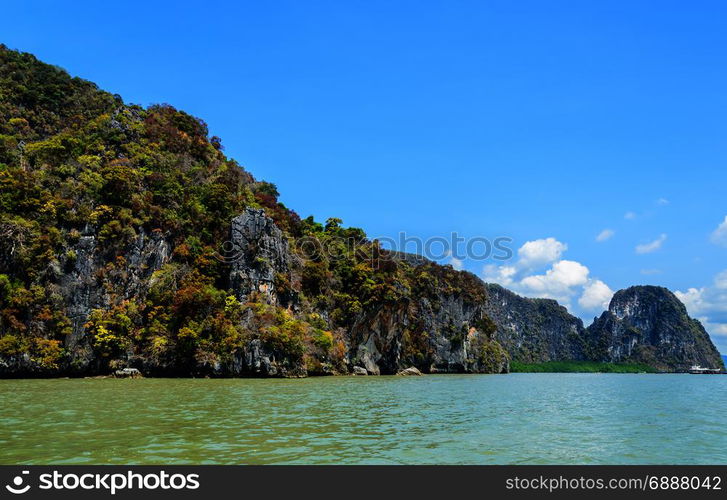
88 183
114 221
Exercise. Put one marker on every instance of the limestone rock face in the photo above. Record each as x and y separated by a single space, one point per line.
256 360
448 335
83 292
648 324
83 284
258 252
535 330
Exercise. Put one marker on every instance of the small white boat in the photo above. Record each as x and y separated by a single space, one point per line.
698 370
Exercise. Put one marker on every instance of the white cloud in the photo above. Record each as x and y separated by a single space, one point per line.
709 305
559 279
719 330
719 235
541 251
651 272
629 216
662 201
652 246
605 235
720 281
692 298
453 261
503 275
596 296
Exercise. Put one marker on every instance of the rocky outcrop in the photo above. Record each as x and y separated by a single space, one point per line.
410 372
259 254
87 283
649 325
450 335
82 280
255 360
128 373
440 332
534 330
440 335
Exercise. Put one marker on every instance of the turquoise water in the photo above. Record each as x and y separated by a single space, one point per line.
435 419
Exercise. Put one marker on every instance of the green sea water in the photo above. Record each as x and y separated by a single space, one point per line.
538 418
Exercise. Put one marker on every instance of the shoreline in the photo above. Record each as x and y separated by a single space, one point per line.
425 375
563 367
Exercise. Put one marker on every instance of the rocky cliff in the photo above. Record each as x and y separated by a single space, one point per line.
535 330
129 240
434 329
649 325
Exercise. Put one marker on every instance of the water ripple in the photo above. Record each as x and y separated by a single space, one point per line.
447 419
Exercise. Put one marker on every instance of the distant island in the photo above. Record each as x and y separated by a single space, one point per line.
129 241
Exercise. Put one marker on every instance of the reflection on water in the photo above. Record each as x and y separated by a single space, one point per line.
436 419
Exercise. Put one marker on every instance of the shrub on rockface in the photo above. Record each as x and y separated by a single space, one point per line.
46 353
490 357
112 331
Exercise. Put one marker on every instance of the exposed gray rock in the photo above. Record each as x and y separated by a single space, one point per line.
358 370
83 291
10 366
411 371
534 330
128 373
649 325
255 360
446 337
259 251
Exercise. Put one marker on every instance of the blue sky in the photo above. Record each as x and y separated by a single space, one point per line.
547 122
